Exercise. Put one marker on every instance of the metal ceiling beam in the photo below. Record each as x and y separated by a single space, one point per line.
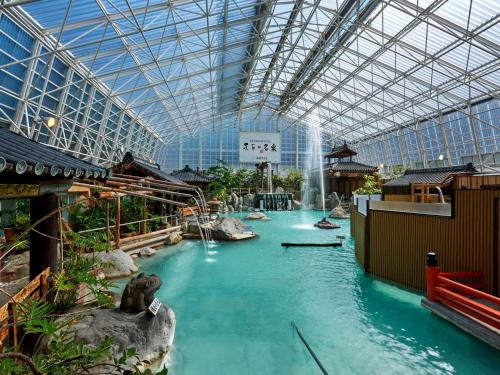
263 10
297 6
338 28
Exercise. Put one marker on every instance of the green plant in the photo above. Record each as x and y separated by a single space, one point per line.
19 222
85 217
227 178
81 270
89 242
370 186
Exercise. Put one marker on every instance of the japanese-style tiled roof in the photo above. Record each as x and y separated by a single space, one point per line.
341 152
351 166
190 176
149 169
24 156
437 176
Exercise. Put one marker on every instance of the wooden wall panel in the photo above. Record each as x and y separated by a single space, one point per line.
465 242
359 222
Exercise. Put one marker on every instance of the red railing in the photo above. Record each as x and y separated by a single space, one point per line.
463 297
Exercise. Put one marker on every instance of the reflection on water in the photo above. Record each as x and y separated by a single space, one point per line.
233 315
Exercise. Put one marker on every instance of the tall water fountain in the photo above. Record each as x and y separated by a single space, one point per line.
313 171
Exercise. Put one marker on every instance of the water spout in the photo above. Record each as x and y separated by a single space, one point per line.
313 171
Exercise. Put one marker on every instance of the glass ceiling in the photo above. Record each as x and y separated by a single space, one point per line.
355 68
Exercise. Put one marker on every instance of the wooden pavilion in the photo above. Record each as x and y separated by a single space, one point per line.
344 175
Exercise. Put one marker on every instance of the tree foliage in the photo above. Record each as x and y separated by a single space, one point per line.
370 186
227 178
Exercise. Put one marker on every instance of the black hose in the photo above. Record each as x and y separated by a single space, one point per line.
323 370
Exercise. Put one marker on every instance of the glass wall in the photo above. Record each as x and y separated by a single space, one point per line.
35 84
210 146
467 135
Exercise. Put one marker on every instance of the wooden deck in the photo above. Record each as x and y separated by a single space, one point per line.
470 325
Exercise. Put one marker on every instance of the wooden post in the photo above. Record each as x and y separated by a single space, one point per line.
144 215
108 232
44 237
117 224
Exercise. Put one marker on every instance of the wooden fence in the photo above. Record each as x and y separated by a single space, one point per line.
393 245
36 288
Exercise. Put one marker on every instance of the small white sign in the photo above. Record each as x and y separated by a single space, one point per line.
154 306
256 147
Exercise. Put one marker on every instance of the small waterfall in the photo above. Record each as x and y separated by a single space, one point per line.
313 170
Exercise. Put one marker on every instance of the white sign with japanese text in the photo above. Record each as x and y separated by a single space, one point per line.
256 147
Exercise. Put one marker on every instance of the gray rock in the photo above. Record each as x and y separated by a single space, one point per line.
279 190
234 199
230 208
176 237
18 267
152 337
121 264
225 228
257 215
339 213
147 252
248 200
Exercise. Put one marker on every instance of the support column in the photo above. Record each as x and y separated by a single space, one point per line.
117 223
43 248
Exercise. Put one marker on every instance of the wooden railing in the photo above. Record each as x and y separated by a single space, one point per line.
36 288
462 297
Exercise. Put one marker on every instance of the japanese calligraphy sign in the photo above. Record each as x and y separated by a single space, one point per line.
256 147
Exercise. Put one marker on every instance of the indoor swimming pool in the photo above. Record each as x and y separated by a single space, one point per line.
234 304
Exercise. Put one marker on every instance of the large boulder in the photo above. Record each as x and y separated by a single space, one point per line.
228 228
339 213
146 252
18 267
176 237
151 336
279 190
119 264
257 215
296 205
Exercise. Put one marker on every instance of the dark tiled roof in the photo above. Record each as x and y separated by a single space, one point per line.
351 166
341 152
188 175
27 156
146 168
155 171
436 176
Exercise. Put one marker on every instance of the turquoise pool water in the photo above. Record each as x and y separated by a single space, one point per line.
234 307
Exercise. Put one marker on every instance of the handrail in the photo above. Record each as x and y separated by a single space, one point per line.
309 349
7 313
460 297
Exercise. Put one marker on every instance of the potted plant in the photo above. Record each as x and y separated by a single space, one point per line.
18 223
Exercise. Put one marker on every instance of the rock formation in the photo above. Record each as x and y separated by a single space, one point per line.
151 336
257 215
339 213
139 293
120 264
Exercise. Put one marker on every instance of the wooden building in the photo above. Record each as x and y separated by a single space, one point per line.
344 175
424 185
191 177
30 170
